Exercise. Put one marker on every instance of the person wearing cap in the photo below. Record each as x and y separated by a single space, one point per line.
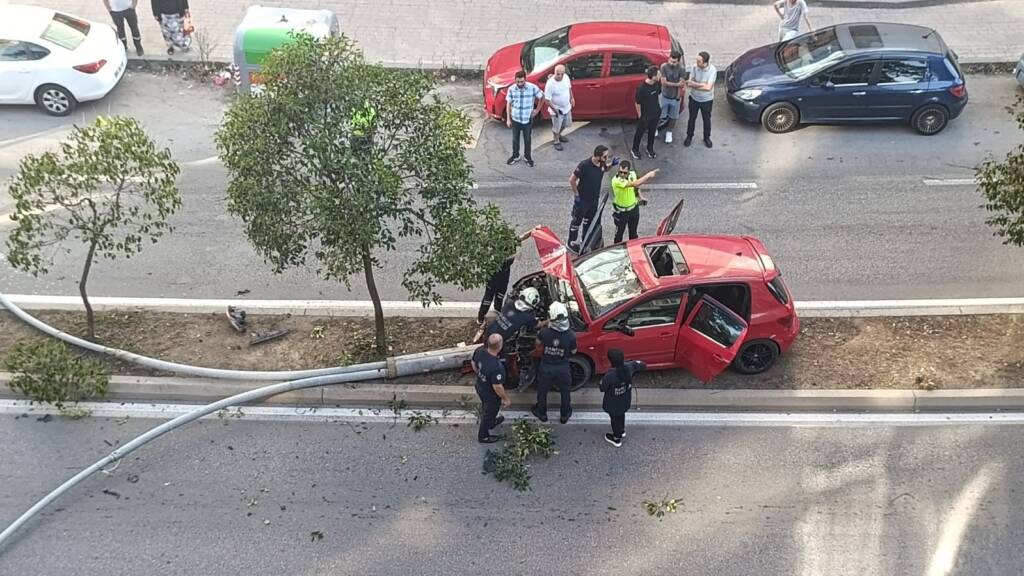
627 199
617 386
559 344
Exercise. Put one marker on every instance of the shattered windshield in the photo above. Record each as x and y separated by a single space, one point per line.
607 279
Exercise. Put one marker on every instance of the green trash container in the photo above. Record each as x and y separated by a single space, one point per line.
265 28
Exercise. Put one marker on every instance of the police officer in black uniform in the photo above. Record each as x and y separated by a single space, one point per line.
617 386
490 387
559 343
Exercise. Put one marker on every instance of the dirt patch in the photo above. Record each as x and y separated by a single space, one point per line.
830 353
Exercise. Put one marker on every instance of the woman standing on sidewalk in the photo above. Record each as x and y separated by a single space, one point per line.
172 16
617 386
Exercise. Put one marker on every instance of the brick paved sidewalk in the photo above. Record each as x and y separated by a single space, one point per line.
463 33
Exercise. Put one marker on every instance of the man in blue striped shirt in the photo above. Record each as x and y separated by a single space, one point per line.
522 104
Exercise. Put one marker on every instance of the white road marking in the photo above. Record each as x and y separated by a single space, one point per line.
956 523
5 219
663 186
952 306
384 414
548 138
203 162
948 181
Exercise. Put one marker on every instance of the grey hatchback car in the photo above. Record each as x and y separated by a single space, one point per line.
850 73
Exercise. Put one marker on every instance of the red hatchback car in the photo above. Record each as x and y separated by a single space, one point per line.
701 303
606 61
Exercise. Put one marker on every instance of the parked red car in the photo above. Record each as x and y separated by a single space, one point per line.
701 303
605 61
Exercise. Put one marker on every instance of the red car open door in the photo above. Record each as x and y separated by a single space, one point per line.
709 339
668 225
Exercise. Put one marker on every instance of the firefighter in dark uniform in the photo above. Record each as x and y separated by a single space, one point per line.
490 387
559 343
515 316
617 386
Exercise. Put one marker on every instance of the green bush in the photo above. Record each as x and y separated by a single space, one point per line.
49 372
510 464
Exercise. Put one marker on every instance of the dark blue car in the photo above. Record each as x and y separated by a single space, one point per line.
863 72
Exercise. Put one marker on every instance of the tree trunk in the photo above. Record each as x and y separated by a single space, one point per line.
378 310
89 317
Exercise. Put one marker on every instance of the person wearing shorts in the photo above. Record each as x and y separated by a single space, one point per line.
673 88
558 94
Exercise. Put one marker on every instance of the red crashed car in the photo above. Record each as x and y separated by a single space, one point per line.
606 61
697 302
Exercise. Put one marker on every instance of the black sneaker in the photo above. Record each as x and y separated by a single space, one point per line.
617 442
688 141
512 160
529 162
498 421
565 417
652 154
707 142
489 439
635 154
536 412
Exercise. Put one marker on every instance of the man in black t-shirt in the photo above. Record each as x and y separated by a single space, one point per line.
648 111
586 183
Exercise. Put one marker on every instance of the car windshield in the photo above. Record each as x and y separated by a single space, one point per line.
65 31
806 55
541 53
607 279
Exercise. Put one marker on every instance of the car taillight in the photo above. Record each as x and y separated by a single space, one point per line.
786 321
958 90
92 67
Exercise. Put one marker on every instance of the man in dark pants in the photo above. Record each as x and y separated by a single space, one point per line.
648 112
122 11
586 190
559 344
497 285
522 104
490 387
702 96
617 386
627 199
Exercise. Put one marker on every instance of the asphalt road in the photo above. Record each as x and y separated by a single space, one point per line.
241 497
845 211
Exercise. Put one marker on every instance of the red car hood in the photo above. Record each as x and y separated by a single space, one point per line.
554 257
503 65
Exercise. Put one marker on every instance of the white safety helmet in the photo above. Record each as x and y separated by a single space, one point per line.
558 315
530 296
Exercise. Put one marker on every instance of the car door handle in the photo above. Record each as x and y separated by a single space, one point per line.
916 91
858 93
666 334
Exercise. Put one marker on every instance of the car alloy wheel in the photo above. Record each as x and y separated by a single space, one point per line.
55 100
756 356
930 120
780 117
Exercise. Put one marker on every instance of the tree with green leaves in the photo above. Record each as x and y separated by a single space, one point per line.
108 186
338 162
1002 183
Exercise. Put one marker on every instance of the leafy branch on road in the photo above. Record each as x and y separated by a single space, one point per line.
420 420
339 162
660 508
1002 184
108 186
510 463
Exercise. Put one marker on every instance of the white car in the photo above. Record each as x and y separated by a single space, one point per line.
1019 71
55 60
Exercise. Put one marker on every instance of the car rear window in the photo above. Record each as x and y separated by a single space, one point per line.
778 289
65 31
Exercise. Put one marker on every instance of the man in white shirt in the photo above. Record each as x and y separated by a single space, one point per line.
558 93
790 12
122 11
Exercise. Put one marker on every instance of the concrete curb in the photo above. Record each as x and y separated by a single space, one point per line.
363 308
415 396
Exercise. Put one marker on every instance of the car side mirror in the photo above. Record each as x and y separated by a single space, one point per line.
828 85
625 329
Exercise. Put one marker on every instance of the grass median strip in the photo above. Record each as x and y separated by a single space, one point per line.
915 353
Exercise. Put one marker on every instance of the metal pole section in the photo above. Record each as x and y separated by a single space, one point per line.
157 364
244 397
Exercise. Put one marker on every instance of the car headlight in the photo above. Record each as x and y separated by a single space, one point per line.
748 93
